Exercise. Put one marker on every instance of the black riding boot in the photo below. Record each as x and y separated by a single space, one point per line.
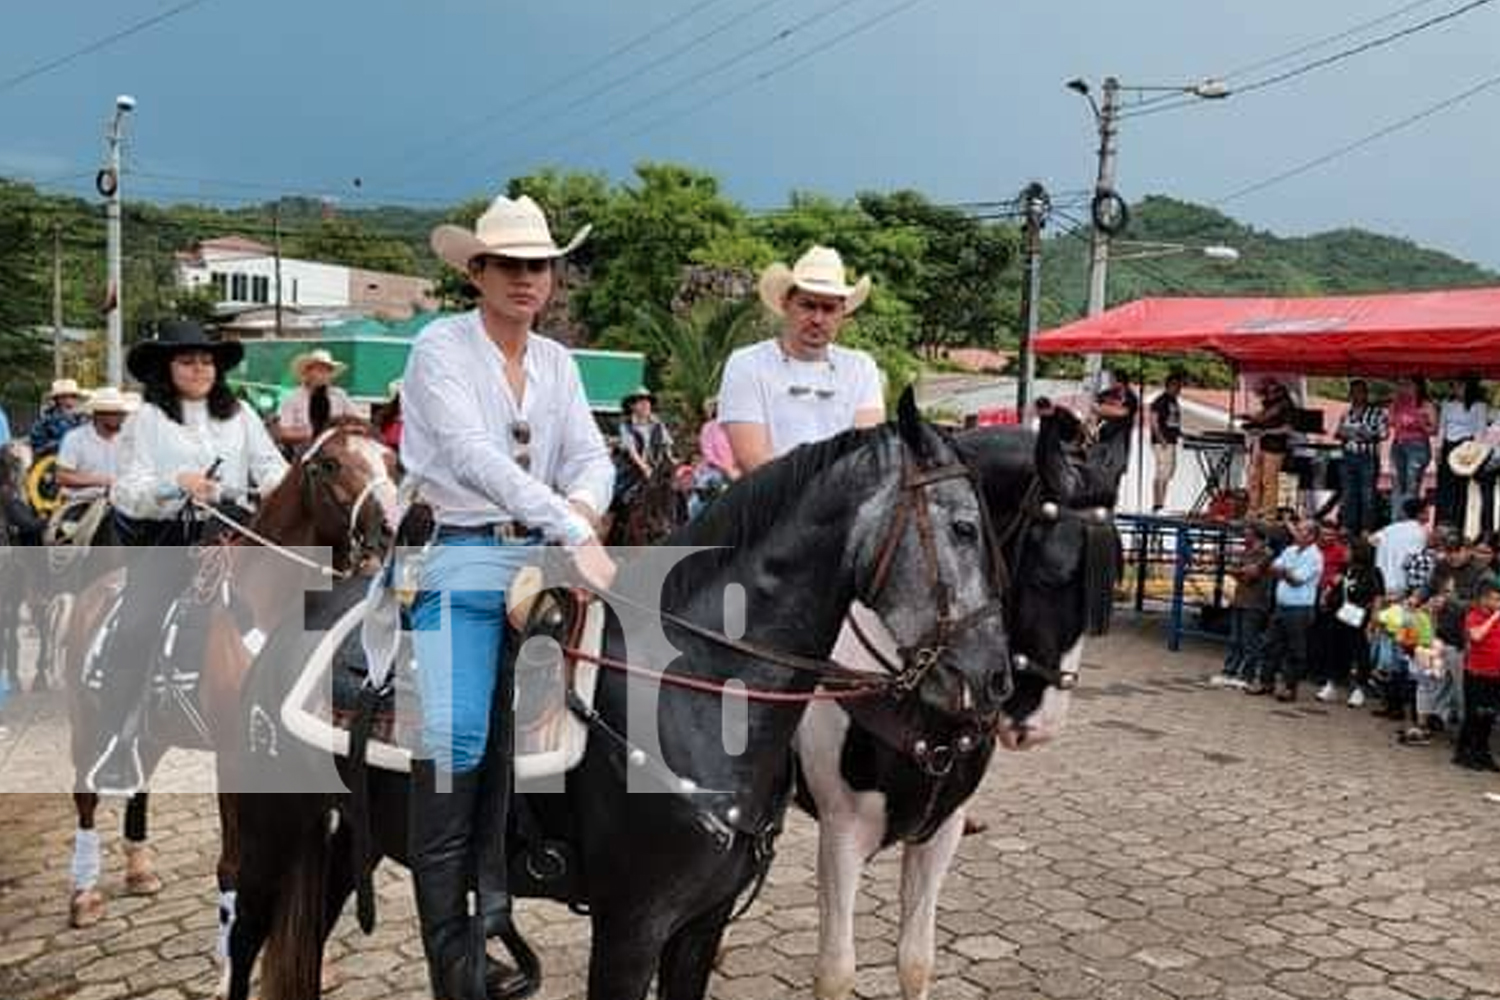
441 849
491 842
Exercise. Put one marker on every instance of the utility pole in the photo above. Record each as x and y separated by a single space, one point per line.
276 243
57 315
1104 199
109 187
1037 206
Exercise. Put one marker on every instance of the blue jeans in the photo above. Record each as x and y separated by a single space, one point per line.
457 669
1360 473
1408 461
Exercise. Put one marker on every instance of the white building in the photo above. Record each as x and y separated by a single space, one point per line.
243 274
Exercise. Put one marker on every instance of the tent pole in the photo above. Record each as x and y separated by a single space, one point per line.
1141 436
1234 392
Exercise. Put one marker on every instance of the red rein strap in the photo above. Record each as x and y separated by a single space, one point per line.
877 685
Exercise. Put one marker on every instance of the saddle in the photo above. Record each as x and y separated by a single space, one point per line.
323 702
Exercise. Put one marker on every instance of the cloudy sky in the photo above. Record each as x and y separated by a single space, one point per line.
964 99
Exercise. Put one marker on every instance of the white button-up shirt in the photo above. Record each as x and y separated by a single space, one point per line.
83 449
155 450
1459 422
459 433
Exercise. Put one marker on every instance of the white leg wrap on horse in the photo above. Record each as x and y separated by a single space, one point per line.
226 922
85 859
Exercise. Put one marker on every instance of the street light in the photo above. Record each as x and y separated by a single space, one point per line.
1143 250
1109 212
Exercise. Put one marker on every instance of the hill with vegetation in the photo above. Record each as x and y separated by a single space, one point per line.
943 277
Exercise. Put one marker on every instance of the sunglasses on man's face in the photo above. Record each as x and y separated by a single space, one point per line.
517 265
803 391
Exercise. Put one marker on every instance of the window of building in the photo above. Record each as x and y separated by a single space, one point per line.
220 281
237 290
260 289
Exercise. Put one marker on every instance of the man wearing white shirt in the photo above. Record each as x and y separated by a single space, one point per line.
295 419
800 387
88 458
499 437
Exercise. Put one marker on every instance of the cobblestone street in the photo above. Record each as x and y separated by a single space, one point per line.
1178 841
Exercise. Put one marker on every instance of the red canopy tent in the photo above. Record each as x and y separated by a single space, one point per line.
1445 333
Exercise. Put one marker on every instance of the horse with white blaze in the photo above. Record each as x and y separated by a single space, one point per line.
880 773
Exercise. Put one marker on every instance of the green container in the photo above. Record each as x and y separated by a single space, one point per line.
376 355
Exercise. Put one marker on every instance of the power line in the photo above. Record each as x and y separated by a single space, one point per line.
613 84
772 71
101 43
1360 143
1325 61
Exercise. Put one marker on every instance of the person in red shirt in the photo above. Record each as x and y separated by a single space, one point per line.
1481 681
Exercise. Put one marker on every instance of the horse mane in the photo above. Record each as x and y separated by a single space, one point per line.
742 517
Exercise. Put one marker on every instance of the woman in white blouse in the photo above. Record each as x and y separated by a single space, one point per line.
190 440
1463 417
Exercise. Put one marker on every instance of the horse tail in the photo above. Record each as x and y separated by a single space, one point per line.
292 969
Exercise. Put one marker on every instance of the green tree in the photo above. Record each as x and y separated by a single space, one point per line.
688 351
24 351
341 240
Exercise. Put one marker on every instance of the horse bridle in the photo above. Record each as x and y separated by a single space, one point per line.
918 660
319 476
1031 511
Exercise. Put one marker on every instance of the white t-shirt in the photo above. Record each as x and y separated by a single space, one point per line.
798 402
1394 544
83 449
294 409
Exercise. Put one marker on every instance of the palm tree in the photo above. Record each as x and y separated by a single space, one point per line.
691 348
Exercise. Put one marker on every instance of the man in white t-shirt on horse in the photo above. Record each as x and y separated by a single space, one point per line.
800 386
88 458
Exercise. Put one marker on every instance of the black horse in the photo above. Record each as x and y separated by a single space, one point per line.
881 775
887 516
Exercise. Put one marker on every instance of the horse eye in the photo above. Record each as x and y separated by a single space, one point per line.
968 531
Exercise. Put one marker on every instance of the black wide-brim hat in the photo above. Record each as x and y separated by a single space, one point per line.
148 358
641 393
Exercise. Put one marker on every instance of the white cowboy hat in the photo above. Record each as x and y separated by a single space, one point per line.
819 271
1467 458
507 228
108 399
318 356
64 387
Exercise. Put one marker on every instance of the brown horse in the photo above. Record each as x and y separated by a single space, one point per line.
338 496
651 512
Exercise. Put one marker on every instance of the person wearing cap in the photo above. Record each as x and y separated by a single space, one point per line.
800 386
645 442
88 457
315 401
62 413
192 440
501 443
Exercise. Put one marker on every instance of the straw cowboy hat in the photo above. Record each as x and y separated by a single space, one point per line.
1468 458
819 271
508 228
148 358
64 387
302 362
108 399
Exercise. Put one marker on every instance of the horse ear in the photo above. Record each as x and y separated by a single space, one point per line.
1054 460
909 423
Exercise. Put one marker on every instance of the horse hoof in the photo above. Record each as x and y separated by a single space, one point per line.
86 908
140 877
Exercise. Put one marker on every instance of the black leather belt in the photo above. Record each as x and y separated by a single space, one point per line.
500 531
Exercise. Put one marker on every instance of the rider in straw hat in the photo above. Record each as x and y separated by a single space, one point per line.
499 437
62 412
800 386
89 455
315 401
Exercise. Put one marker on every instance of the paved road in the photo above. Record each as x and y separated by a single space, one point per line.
1178 842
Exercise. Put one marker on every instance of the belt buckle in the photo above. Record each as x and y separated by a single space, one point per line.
509 531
